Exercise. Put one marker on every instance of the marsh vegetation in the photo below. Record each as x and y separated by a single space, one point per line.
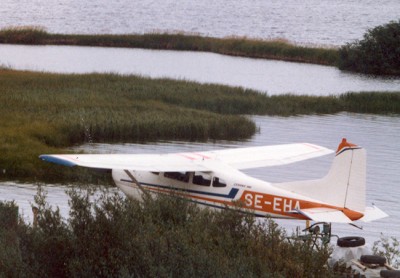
44 113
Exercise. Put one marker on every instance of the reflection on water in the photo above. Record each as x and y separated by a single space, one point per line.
273 77
310 21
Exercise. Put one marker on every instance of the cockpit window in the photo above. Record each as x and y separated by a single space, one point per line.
180 176
201 179
217 182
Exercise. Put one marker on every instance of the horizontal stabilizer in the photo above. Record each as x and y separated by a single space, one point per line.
325 215
373 213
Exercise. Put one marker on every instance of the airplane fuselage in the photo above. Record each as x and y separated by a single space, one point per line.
217 190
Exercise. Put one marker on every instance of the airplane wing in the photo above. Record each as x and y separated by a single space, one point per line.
137 162
255 157
239 158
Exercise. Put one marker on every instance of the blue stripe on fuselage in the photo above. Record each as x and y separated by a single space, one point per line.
231 195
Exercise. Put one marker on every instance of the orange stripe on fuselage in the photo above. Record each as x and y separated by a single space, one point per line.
284 206
266 204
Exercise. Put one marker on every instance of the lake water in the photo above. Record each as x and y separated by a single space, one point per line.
310 21
273 77
378 134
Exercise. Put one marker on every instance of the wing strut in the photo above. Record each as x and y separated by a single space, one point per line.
137 183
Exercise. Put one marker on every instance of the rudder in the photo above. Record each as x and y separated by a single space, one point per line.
345 184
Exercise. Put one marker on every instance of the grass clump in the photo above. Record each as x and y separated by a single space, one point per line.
371 102
28 35
278 50
163 237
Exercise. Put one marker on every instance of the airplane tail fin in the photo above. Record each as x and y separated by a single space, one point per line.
344 186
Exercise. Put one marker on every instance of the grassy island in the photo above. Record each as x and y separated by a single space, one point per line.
377 53
235 46
44 113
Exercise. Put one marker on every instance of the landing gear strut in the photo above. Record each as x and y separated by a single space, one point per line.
319 233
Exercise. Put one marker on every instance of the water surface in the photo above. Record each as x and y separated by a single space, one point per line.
310 21
273 77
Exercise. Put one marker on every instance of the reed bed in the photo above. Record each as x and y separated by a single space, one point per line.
237 46
44 113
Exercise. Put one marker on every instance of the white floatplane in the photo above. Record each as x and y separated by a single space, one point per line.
214 179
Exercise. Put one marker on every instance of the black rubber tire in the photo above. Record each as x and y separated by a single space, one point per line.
390 273
350 241
371 259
